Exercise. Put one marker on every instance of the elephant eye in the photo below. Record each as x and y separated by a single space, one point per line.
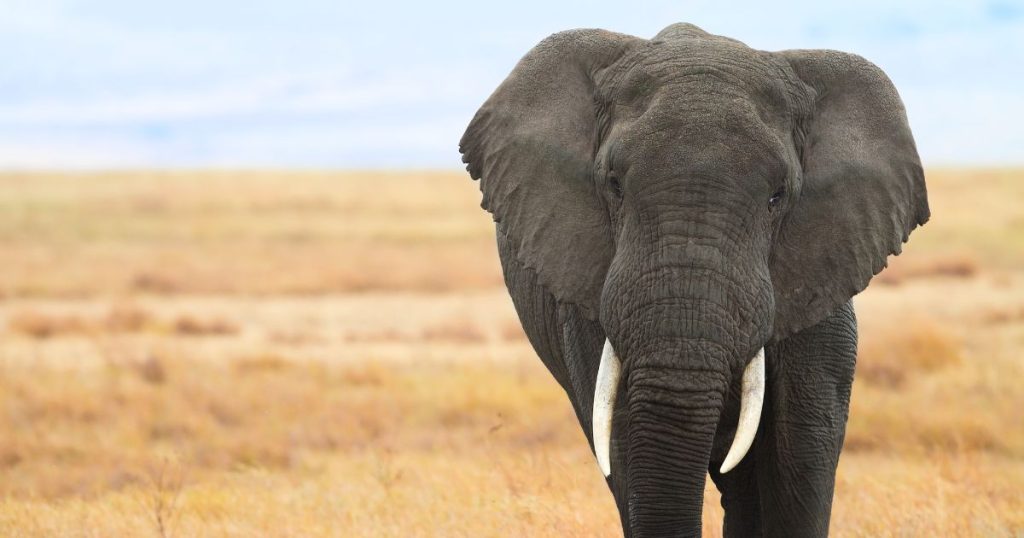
613 183
776 198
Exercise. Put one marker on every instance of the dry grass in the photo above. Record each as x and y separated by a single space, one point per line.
333 355
438 448
233 233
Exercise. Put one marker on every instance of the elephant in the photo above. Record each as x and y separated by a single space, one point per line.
682 223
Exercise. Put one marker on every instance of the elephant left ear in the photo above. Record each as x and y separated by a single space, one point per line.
862 190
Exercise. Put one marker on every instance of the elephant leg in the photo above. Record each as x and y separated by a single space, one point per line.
807 403
740 498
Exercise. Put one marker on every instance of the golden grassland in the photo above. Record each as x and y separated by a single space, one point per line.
332 354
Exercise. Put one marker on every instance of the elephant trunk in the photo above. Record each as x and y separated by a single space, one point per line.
672 418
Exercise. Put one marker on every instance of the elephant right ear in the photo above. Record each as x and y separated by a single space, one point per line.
532 146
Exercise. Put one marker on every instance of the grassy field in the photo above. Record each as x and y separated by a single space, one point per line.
304 354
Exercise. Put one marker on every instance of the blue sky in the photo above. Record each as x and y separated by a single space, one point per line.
329 84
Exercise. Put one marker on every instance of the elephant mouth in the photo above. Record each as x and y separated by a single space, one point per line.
751 402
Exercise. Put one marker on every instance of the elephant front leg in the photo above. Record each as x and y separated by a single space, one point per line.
740 499
809 380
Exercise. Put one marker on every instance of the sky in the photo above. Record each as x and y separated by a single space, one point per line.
99 84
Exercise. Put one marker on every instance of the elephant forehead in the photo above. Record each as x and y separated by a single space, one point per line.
734 140
707 74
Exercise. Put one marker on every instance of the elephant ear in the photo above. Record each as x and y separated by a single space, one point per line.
862 190
532 146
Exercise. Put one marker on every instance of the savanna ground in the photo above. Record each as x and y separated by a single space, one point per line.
304 354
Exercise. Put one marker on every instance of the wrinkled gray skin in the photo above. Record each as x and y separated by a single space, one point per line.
692 200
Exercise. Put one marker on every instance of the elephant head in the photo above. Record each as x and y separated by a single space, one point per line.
700 199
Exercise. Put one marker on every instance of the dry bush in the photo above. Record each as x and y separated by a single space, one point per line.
512 331
1003 316
944 264
456 330
40 325
120 318
191 326
892 356
127 318
163 502
379 335
152 370
295 337
149 282
262 363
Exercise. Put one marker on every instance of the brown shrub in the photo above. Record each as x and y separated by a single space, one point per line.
152 370
262 363
294 337
190 326
126 318
120 318
1003 315
378 335
454 331
154 283
950 265
40 325
892 356
962 266
370 374
512 331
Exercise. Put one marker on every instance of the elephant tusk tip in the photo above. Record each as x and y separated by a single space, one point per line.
731 461
604 401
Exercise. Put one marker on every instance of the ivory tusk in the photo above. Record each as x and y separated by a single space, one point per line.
752 399
604 404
